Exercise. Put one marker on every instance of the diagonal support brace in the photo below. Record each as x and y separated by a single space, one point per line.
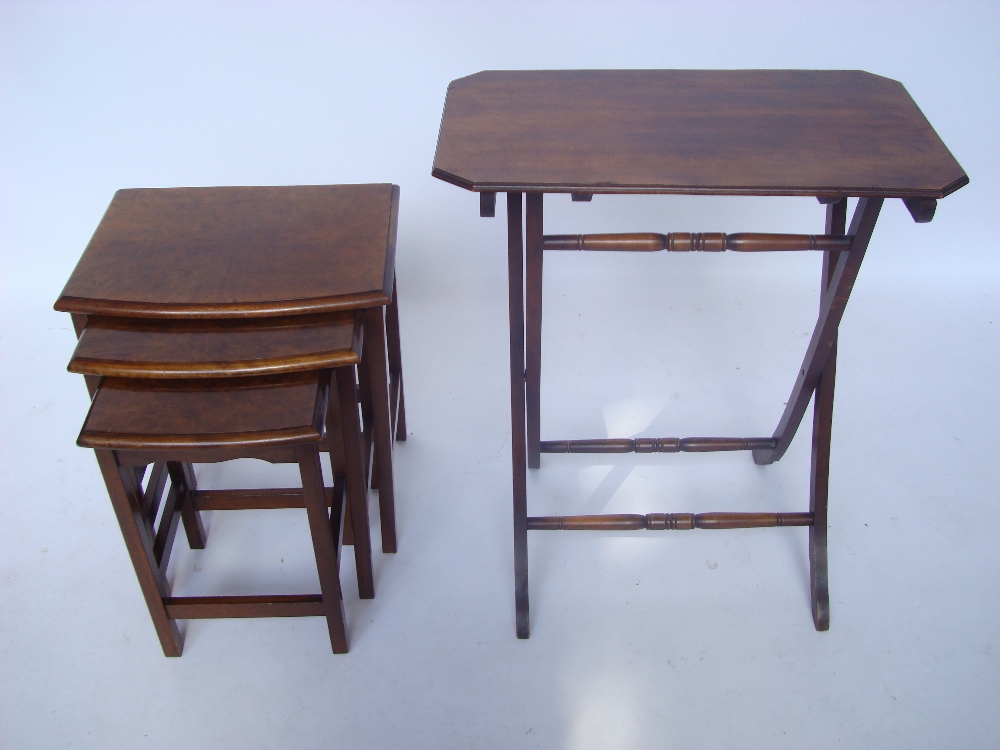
825 333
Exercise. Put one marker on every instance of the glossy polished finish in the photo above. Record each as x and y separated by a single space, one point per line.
828 134
247 281
280 418
234 251
264 412
141 347
712 132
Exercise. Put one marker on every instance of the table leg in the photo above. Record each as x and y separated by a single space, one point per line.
323 529
379 374
357 479
533 323
824 336
515 280
182 474
819 480
126 499
396 401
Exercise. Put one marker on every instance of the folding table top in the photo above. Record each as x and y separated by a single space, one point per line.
218 252
715 132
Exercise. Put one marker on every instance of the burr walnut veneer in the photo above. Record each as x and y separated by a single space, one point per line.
829 134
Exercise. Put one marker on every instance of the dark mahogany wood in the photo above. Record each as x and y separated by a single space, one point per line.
182 476
215 607
827 134
237 251
119 425
382 424
396 400
656 445
325 532
734 132
224 273
154 489
357 480
128 508
533 322
161 415
712 242
488 204
256 499
518 440
667 521
819 474
825 333
145 348
921 209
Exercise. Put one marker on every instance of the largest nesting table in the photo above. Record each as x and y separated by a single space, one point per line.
828 134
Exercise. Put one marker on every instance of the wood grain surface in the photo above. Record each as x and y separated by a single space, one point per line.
162 414
716 132
143 347
230 251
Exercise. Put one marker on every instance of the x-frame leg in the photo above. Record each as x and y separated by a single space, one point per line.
816 376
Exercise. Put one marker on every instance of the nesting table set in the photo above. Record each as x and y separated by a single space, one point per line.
242 322
262 322
828 134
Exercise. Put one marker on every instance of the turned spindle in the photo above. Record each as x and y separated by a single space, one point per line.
657 445
668 521
685 242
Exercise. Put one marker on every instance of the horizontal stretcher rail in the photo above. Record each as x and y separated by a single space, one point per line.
668 521
268 499
213 607
657 445
712 242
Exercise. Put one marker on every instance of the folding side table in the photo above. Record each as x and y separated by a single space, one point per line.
828 134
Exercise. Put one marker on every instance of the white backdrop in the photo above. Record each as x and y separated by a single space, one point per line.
639 640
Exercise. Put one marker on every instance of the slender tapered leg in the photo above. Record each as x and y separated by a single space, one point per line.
819 480
515 281
824 336
126 499
324 544
357 484
533 323
395 363
379 373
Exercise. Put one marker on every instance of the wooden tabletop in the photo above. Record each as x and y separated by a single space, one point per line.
170 348
162 414
715 132
218 252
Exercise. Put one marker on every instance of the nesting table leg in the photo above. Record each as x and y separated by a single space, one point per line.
357 485
515 273
397 403
128 509
379 374
182 475
324 543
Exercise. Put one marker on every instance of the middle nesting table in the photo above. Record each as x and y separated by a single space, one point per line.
235 281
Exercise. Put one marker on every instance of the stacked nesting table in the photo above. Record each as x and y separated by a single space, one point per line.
832 135
236 285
